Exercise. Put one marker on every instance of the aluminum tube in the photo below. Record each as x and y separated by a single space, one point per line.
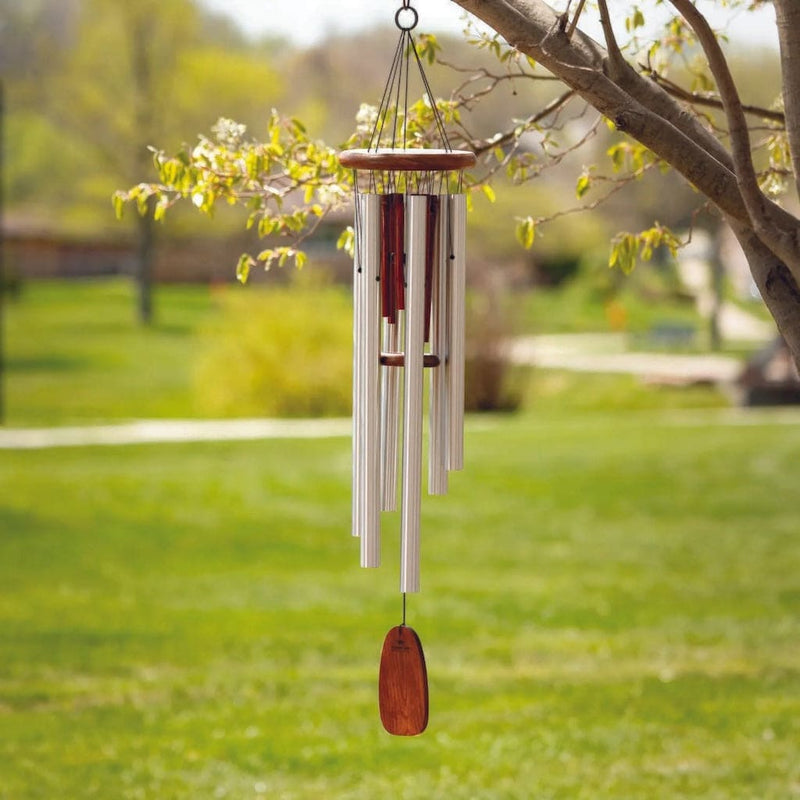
370 383
438 408
413 379
390 410
457 300
358 337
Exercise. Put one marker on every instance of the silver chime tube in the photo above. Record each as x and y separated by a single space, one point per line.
438 409
416 213
457 300
358 327
366 411
390 409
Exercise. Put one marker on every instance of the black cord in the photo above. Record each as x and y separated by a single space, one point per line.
431 99
397 85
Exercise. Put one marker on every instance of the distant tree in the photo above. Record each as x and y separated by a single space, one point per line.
126 76
740 159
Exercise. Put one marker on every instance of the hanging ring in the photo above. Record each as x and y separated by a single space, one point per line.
411 23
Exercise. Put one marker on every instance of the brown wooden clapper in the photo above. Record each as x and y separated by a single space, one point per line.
403 683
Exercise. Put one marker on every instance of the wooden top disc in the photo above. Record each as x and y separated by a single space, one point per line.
403 683
418 159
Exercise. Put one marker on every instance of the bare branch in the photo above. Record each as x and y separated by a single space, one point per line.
574 23
783 241
710 101
615 57
636 105
787 13
534 119
616 185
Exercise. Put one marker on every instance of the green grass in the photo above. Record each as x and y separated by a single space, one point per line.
75 352
75 355
553 391
610 609
586 306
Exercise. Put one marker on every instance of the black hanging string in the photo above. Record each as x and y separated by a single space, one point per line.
398 84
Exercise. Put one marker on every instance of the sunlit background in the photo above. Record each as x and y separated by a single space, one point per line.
610 605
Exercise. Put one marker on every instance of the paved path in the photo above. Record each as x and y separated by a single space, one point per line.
579 352
159 431
607 353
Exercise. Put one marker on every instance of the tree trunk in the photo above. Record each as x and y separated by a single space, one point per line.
143 268
141 33
776 283
769 236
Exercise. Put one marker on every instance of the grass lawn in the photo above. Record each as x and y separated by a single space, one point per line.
76 354
610 609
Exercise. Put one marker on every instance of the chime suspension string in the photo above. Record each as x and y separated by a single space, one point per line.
386 100
402 82
397 86
411 45
437 117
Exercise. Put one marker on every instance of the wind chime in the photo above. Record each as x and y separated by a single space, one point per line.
408 290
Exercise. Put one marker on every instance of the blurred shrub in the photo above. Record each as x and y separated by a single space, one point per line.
491 380
556 269
279 352
287 352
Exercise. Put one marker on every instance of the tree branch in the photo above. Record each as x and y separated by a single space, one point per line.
787 14
532 27
776 284
783 241
674 133
574 23
615 57
696 99
509 136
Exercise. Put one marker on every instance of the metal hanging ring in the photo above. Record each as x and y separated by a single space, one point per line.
412 23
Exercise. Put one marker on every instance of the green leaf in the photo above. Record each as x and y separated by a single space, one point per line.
118 199
617 155
266 255
160 210
246 261
489 192
526 232
583 185
623 252
266 226
346 240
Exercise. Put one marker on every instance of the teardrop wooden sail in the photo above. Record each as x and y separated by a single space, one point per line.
409 284
403 683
